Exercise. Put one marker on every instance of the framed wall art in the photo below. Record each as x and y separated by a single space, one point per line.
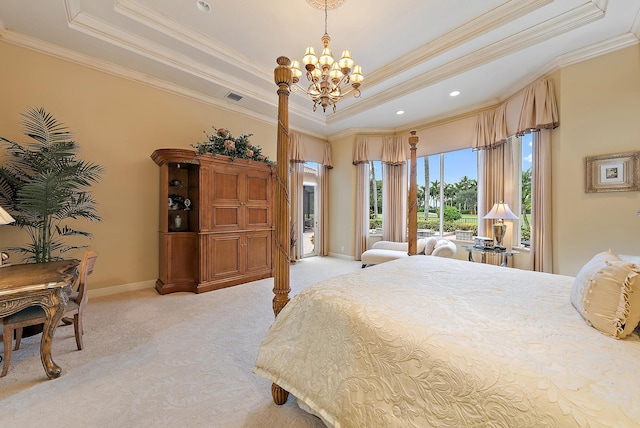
613 173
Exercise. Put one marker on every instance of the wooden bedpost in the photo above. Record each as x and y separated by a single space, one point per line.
283 78
413 198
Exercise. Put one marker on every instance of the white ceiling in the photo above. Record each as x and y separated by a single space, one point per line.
413 52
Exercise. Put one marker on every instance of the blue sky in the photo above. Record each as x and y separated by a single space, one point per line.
460 163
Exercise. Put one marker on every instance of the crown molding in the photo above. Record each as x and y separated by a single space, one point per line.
70 55
87 24
635 28
172 28
593 51
359 131
569 20
491 20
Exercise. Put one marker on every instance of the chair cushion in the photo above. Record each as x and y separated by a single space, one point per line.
34 313
390 245
375 256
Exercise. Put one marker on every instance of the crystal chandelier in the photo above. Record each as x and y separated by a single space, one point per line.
329 80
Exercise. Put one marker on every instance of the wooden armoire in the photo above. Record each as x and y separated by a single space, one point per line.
216 221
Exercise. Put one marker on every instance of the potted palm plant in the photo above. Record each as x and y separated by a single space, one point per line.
45 186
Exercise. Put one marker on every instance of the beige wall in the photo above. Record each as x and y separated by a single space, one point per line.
599 114
118 123
342 188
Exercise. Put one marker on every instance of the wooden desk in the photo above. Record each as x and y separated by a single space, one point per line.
41 284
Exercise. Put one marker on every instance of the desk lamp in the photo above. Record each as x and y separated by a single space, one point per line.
5 218
500 212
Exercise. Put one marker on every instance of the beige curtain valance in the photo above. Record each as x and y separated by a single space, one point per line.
296 148
393 151
538 111
327 160
361 150
304 148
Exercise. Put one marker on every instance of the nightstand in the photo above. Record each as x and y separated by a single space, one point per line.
494 254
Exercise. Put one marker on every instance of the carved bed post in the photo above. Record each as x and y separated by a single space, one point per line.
283 78
413 196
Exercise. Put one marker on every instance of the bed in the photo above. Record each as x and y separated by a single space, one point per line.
430 341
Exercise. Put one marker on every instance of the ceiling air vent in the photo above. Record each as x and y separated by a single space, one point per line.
234 97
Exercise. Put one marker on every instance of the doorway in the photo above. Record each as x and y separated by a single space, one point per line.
309 220
309 205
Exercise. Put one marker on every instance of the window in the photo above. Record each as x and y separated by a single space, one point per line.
458 171
453 183
375 197
525 189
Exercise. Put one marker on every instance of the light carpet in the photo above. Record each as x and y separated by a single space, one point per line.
181 359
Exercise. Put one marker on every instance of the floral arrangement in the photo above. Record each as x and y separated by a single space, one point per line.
223 143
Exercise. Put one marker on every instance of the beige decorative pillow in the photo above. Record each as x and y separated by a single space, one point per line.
606 292
581 282
420 245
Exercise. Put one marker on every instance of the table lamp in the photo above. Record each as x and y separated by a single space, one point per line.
5 218
500 212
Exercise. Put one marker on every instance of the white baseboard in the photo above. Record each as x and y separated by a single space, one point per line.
107 291
341 256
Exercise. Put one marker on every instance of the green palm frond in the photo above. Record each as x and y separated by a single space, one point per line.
43 184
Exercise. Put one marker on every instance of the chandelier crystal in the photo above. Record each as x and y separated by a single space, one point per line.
329 80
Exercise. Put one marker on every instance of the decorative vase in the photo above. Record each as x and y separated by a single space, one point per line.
177 221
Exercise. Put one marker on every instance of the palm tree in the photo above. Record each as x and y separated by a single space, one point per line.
43 185
525 205
374 189
434 192
449 193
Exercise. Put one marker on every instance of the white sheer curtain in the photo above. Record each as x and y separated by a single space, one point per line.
296 190
541 226
361 161
296 178
322 237
394 190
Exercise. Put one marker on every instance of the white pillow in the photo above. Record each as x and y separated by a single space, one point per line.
429 245
420 245
606 292
444 248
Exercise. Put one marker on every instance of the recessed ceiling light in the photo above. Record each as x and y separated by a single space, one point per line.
203 6
454 93
400 112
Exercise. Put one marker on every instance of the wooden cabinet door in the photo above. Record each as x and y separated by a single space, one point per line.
257 246
178 262
225 198
258 189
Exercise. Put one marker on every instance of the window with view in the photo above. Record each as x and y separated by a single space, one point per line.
458 194
453 187
375 197
525 189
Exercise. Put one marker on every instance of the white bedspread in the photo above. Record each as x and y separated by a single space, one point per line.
427 341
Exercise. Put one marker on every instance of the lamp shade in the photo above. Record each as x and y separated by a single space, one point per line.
5 218
501 211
